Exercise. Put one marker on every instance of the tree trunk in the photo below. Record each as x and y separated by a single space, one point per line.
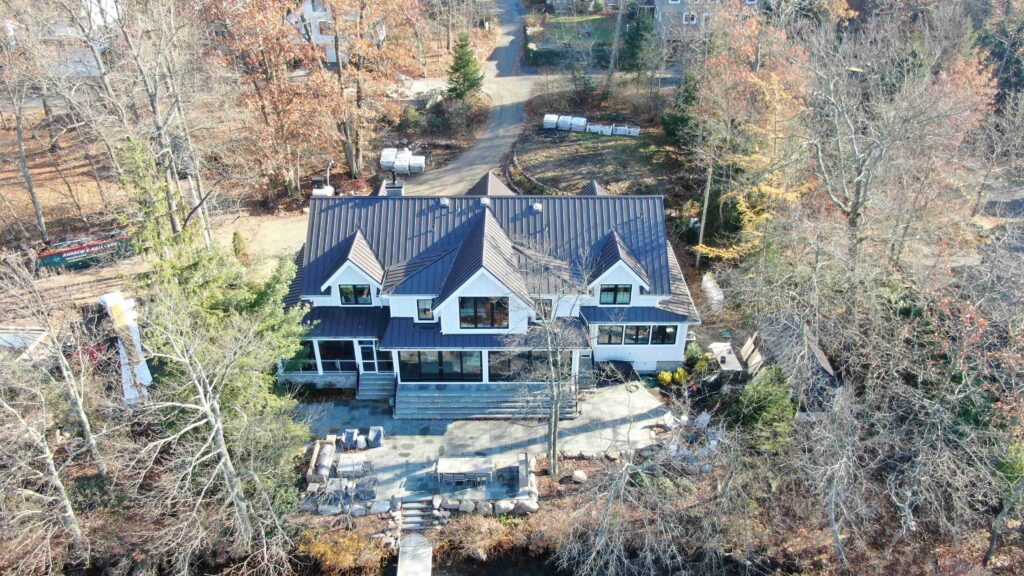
613 60
25 174
704 210
230 475
51 125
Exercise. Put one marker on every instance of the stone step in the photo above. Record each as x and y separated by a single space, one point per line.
478 415
416 505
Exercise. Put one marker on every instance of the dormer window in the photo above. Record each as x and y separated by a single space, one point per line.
424 310
615 294
355 294
483 312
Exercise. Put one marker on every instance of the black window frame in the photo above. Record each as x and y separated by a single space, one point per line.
661 330
483 307
504 366
356 300
636 328
616 291
413 372
429 309
603 328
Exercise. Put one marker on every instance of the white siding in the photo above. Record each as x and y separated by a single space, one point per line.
644 358
620 274
347 274
483 284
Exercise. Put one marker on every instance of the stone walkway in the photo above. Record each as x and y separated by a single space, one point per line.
612 419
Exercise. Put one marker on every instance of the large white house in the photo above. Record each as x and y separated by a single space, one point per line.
434 301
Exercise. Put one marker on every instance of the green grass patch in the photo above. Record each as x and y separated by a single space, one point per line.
564 29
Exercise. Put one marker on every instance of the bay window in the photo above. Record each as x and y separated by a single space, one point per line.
637 335
609 334
663 335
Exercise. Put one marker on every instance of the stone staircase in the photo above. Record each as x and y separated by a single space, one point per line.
477 401
375 386
417 515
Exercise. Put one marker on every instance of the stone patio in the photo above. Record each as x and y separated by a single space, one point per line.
612 418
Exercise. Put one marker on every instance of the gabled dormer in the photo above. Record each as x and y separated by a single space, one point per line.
357 276
617 278
484 290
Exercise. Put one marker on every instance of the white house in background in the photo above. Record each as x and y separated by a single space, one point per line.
314 22
430 302
72 55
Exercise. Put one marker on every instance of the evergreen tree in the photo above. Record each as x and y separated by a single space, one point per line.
680 121
640 51
464 75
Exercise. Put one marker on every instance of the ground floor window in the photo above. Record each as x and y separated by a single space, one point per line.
526 366
616 334
440 366
609 334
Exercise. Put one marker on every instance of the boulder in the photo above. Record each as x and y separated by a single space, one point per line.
579 476
358 510
478 554
328 509
524 507
590 454
484 508
503 507
613 455
436 501
466 506
448 504
380 507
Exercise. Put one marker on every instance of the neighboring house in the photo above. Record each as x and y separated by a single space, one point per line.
421 299
315 23
72 56
675 17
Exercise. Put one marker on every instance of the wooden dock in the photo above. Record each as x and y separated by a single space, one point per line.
415 555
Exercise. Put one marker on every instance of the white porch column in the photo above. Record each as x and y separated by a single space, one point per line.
316 354
485 368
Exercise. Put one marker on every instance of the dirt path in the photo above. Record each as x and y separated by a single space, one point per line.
509 90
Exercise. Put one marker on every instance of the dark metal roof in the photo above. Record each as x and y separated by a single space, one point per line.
607 314
680 302
346 321
399 230
592 188
356 250
614 250
404 334
489 185
294 294
486 246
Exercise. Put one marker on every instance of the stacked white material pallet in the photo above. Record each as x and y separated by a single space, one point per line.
402 161
579 124
387 158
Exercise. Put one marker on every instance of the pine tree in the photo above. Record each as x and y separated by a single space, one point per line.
464 75
640 49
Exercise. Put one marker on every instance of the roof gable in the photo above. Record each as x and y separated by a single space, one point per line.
613 251
592 188
356 250
489 185
486 247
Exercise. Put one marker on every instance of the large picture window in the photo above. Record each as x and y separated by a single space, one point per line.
424 309
355 294
440 366
615 294
483 312
609 334
637 335
663 335
527 366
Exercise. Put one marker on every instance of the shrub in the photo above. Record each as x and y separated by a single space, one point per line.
701 366
239 247
765 410
598 6
1011 467
412 120
664 378
343 552
693 354
680 376
468 534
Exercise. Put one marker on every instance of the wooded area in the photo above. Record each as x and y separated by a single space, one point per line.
849 158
